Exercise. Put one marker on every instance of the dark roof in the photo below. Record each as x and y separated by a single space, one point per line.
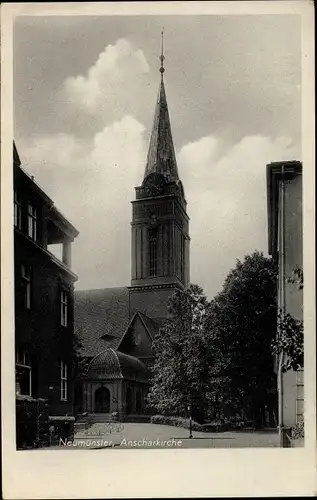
161 157
150 324
101 318
275 172
113 365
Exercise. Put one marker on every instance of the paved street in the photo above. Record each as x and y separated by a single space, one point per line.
151 436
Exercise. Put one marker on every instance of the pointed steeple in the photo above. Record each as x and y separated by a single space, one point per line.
161 155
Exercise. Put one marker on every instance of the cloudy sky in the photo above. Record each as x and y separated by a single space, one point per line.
84 96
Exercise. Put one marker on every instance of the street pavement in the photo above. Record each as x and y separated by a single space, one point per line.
153 436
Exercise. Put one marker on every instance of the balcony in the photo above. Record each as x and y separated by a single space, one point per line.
59 243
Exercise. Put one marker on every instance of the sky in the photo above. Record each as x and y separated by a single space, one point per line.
84 96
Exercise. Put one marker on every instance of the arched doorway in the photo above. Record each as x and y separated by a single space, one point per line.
102 400
129 400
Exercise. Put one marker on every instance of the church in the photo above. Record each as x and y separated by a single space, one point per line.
115 327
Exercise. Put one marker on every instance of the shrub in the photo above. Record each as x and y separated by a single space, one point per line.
176 422
216 426
31 423
298 431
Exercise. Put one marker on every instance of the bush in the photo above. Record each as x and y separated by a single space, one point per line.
135 418
176 422
31 423
216 426
298 431
61 429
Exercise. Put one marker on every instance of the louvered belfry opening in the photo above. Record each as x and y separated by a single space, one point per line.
153 241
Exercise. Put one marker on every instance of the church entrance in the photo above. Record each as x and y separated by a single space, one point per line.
102 400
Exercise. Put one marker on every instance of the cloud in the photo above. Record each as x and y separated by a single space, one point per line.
90 170
226 195
93 184
111 87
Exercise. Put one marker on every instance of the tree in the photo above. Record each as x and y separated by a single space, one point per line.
240 324
179 374
290 337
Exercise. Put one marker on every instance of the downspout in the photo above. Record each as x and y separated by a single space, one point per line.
282 299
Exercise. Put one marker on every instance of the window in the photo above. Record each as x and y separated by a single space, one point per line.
32 222
17 211
26 285
23 373
63 381
153 252
137 337
64 303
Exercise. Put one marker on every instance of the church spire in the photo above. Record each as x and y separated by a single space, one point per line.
161 155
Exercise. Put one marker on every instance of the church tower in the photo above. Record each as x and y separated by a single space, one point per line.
160 239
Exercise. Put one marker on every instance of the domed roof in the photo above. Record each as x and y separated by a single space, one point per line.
113 365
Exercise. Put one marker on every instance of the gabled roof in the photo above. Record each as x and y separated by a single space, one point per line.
101 317
102 320
148 323
151 326
161 155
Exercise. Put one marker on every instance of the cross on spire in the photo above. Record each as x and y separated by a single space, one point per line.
162 69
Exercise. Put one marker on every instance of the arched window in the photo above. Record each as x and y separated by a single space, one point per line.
153 252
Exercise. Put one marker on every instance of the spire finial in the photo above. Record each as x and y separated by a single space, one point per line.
162 55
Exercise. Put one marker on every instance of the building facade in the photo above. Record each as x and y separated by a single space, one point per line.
44 307
116 326
285 230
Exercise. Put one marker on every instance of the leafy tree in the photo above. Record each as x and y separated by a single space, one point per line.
179 372
290 337
240 325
